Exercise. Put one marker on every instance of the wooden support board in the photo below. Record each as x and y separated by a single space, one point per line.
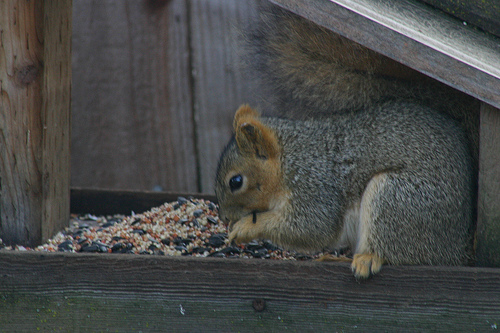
408 32
488 228
35 86
125 293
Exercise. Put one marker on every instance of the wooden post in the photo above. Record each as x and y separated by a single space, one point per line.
488 228
35 82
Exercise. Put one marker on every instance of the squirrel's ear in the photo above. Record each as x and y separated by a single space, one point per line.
252 136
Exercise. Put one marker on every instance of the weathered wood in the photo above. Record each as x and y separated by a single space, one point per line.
411 33
481 13
76 292
132 99
35 85
220 83
488 229
109 202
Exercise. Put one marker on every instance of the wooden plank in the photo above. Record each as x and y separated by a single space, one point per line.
35 85
410 33
110 202
481 13
220 82
488 229
132 99
77 292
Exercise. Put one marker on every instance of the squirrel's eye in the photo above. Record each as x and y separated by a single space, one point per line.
235 183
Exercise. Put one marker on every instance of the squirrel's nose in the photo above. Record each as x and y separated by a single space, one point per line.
223 217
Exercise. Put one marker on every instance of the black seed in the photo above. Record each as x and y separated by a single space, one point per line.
176 206
183 221
136 221
182 241
101 247
230 250
118 247
138 231
200 250
181 200
180 248
65 246
196 223
108 224
198 213
270 246
166 241
254 246
217 240
117 238
211 220
217 254
90 248
212 206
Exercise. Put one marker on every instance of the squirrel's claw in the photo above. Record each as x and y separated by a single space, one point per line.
366 264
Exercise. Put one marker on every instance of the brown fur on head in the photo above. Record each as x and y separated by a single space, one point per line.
249 177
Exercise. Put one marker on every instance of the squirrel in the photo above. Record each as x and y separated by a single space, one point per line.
360 152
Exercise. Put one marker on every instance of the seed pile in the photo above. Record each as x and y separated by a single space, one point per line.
184 227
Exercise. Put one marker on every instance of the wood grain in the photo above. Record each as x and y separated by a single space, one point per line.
132 98
35 86
488 237
76 292
408 32
221 84
483 14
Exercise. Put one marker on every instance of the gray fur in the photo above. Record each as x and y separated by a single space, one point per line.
425 215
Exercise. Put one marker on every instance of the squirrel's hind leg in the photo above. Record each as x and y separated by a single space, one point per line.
366 260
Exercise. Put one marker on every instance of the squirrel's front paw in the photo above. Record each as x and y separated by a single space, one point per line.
242 232
365 264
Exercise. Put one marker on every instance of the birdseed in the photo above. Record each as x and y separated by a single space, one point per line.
186 227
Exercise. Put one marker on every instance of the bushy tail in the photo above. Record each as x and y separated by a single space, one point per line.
311 71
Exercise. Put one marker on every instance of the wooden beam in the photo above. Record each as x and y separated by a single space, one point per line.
481 13
110 202
413 34
488 229
77 292
35 80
